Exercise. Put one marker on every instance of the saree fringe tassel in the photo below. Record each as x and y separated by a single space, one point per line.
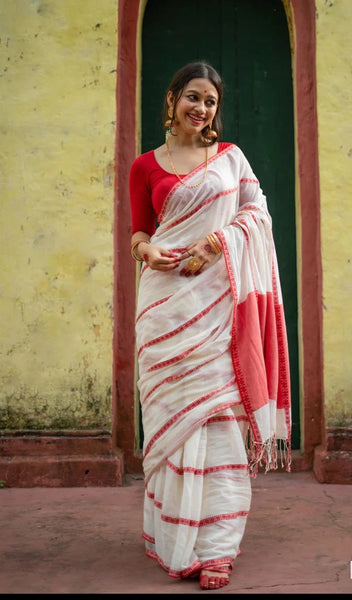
270 455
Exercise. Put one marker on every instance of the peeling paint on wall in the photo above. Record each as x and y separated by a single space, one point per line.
334 77
57 126
58 79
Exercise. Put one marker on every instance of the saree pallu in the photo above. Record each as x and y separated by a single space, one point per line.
213 370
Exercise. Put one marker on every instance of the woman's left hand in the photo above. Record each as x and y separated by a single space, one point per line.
202 250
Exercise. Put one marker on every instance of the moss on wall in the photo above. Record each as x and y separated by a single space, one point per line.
334 81
58 78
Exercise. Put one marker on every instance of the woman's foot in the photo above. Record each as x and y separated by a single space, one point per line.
212 580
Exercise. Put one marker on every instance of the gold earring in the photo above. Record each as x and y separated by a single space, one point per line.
209 135
212 134
170 113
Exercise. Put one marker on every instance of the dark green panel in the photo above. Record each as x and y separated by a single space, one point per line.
174 33
248 42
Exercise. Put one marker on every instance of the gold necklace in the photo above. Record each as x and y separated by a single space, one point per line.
178 176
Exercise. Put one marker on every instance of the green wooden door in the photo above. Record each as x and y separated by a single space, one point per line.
248 42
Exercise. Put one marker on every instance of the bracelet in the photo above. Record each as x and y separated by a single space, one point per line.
214 244
134 246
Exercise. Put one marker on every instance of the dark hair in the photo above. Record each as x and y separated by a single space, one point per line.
196 70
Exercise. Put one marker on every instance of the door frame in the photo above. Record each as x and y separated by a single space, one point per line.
301 24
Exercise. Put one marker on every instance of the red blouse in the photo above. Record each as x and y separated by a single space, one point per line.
149 185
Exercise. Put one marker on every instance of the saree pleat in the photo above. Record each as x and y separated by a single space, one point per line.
213 370
188 524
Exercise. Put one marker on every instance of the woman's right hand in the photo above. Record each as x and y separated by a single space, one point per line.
158 259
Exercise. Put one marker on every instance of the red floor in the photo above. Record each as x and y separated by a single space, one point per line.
88 540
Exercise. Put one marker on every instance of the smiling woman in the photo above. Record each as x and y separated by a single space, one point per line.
188 115
196 107
210 335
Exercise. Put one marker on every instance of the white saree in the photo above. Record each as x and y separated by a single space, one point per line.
213 370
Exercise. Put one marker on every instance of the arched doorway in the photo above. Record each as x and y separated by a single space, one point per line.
301 20
248 42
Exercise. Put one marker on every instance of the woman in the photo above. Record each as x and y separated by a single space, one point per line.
210 335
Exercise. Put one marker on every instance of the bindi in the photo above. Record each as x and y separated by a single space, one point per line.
205 91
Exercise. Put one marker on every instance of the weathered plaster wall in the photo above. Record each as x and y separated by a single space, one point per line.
58 78
334 79
57 113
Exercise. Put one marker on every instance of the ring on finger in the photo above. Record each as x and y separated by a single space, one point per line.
194 263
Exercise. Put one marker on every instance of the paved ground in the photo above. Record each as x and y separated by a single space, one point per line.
88 540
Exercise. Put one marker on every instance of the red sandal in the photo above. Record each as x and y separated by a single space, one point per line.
212 580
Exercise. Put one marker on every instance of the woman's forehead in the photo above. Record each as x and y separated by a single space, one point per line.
205 86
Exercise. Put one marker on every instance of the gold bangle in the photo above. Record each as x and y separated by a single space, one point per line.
215 246
133 248
212 243
216 242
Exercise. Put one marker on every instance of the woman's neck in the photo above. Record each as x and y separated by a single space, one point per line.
181 140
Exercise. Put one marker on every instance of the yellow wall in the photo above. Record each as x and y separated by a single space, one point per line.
58 78
334 76
57 113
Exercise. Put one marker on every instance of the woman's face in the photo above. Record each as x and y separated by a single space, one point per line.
196 107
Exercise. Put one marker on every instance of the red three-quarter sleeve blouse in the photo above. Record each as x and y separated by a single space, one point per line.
149 185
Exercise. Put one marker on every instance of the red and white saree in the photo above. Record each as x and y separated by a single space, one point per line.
213 370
